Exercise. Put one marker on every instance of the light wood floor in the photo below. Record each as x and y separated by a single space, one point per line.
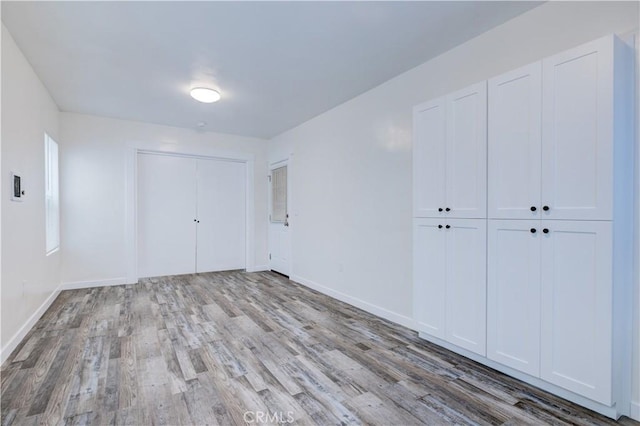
235 348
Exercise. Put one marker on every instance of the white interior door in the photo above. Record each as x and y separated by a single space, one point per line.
166 213
513 294
515 108
279 226
466 302
221 226
429 276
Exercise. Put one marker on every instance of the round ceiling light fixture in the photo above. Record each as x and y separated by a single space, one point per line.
203 94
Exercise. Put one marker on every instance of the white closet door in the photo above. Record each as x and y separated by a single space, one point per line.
429 275
577 307
166 215
466 175
429 150
513 294
577 133
221 215
515 109
466 289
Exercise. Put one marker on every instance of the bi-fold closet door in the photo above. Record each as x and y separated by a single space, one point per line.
190 214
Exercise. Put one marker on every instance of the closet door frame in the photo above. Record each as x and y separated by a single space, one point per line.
190 151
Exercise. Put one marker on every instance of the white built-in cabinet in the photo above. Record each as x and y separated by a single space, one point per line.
450 190
515 144
513 294
449 270
466 291
533 286
576 299
450 163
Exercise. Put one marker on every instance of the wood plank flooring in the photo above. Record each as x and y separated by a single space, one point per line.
249 348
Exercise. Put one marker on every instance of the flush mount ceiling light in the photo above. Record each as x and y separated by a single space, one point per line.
202 94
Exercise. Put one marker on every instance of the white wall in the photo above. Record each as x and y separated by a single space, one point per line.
29 277
352 171
95 180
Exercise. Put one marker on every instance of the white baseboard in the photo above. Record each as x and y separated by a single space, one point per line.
358 303
258 268
13 343
97 283
634 411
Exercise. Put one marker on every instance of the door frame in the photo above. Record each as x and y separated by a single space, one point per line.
287 161
191 151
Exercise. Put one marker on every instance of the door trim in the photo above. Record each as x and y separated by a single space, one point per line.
191 151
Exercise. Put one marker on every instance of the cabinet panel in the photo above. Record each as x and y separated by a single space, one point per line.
466 152
429 276
429 141
577 139
466 262
513 294
576 307
514 143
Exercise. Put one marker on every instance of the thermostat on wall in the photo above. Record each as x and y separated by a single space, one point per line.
17 193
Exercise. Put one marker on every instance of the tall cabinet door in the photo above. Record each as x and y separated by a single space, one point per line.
221 188
515 108
577 307
429 275
429 142
466 291
577 132
166 215
466 152
513 294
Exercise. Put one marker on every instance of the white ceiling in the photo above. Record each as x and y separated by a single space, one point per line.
277 64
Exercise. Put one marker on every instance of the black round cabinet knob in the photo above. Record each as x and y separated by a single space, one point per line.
545 208
439 226
533 208
447 209
447 226
533 230
440 209
545 230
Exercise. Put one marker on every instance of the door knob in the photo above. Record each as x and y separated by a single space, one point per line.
545 208
533 208
533 230
545 230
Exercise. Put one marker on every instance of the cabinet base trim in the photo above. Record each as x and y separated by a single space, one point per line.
605 410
